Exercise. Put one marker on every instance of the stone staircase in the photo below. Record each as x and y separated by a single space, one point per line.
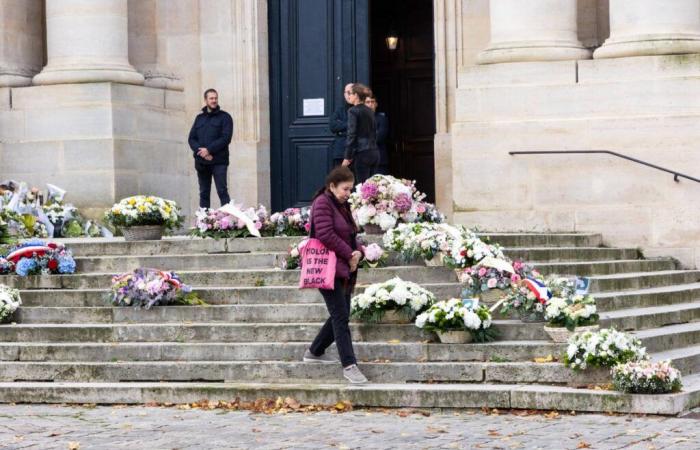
69 346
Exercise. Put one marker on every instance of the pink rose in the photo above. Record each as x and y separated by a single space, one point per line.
515 278
482 271
491 283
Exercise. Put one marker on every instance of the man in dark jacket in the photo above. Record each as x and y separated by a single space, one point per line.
209 139
338 124
382 134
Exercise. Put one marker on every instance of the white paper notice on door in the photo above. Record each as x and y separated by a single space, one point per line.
314 107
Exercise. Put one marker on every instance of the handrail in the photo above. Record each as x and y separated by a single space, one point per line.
675 174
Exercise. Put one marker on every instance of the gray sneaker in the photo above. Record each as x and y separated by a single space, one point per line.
311 358
353 375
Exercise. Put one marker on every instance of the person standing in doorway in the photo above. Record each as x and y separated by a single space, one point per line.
382 134
332 224
338 124
361 145
209 139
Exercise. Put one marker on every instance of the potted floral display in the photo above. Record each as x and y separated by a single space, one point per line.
382 201
394 301
215 224
375 256
457 323
646 377
291 222
528 299
10 302
468 249
292 260
573 314
36 257
150 287
144 217
593 354
491 281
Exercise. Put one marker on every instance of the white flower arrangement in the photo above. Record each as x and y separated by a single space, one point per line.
10 302
605 348
145 210
574 311
459 246
646 377
453 315
385 201
394 295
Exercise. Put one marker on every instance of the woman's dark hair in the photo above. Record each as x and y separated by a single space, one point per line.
361 90
340 174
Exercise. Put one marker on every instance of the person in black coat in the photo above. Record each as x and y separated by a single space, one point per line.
209 139
338 124
382 134
361 145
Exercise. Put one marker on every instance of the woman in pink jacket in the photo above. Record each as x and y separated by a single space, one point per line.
332 224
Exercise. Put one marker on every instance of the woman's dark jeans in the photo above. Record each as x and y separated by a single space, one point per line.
365 165
336 327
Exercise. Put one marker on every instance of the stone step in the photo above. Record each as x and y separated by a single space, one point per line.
213 295
651 317
270 259
291 294
670 337
626 319
198 261
591 268
685 359
666 295
564 254
180 244
642 280
282 371
236 332
441 395
501 351
220 278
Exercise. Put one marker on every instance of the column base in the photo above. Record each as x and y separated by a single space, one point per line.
69 75
648 46
532 51
163 81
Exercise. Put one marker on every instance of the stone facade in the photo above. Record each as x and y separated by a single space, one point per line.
510 75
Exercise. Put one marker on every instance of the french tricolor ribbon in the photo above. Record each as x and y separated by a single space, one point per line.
542 293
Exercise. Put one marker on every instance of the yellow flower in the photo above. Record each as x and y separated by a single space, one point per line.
141 208
132 201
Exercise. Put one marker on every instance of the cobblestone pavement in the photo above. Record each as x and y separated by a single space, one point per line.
67 427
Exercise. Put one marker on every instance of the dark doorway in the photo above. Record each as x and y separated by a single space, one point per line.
403 81
316 47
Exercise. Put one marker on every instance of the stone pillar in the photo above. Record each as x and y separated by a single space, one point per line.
149 40
21 41
87 41
652 27
533 30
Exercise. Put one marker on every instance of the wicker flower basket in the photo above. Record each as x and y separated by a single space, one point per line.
395 317
143 233
531 316
561 335
435 261
593 375
455 337
371 228
491 296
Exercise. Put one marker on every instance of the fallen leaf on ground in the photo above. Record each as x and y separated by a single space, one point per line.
551 415
494 433
74 446
394 341
547 359
436 430
583 444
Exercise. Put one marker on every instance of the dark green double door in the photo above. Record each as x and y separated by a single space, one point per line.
316 47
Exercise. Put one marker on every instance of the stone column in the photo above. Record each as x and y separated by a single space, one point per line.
21 41
87 41
533 30
652 27
150 35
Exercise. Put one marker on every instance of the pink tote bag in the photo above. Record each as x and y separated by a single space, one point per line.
317 266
